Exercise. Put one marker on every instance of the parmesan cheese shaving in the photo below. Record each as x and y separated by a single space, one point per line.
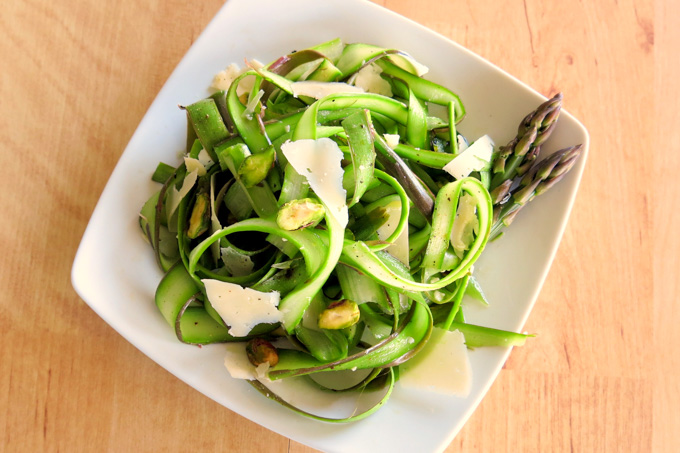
205 159
194 165
318 90
443 366
320 162
252 103
462 144
262 370
392 140
177 195
224 79
242 308
475 158
237 363
368 78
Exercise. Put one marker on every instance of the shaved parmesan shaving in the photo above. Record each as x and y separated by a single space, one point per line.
205 159
369 79
392 140
318 90
475 158
443 366
319 161
237 363
194 165
177 195
252 103
224 79
462 144
242 308
261 371
255 64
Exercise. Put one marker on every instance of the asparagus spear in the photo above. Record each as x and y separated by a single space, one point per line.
541 177
515 158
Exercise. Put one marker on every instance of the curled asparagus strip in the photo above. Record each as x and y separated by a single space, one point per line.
262 388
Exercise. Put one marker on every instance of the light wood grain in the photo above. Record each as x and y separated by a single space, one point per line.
601 376
664 210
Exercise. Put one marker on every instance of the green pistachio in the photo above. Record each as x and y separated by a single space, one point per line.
298 214
200 216
255 167
339 315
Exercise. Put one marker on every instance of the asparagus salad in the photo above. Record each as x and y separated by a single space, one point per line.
326 217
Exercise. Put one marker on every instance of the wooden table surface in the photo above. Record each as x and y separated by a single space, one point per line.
602 376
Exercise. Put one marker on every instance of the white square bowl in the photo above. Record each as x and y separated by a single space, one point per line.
115 272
